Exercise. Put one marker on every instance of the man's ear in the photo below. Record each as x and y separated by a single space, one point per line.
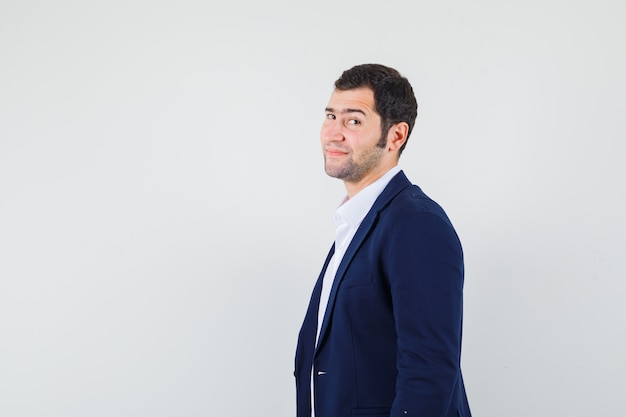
397 136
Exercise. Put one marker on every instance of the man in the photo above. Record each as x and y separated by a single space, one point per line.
382 334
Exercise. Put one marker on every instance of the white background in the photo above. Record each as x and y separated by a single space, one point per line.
164 211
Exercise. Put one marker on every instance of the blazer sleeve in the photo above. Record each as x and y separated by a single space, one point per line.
424 263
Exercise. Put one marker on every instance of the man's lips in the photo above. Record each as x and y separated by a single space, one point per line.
335 152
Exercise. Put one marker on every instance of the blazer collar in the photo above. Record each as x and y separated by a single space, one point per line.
398 183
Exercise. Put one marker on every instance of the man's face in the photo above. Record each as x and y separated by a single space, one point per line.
350 135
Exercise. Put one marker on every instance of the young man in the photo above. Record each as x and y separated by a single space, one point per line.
382 334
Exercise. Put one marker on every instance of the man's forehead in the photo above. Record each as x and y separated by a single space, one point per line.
355 100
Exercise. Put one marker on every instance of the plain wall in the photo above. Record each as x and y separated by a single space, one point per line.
164 211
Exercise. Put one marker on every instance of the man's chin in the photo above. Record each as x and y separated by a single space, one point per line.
335 175
335 172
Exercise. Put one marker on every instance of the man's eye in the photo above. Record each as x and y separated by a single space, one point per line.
330 116
354 122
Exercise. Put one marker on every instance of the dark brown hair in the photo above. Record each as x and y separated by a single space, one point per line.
393 95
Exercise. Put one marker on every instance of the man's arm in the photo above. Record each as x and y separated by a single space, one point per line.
425 272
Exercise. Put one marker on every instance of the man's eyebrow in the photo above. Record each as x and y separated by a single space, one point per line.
344 111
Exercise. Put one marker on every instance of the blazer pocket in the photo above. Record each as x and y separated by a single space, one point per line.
372 411
357 280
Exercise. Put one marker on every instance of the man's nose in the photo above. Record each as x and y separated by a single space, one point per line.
334 133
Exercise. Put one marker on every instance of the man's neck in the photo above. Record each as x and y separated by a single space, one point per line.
353 188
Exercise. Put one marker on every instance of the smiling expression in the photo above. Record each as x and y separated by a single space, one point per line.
353 147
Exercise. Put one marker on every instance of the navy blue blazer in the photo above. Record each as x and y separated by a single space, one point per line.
390 341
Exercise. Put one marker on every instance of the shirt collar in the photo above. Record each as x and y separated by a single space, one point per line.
354 210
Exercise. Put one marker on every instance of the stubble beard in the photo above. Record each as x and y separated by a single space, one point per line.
354 171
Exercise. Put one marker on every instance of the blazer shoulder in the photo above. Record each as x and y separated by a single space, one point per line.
403 201
413 201
413 218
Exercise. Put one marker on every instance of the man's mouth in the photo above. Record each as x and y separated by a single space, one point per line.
334 152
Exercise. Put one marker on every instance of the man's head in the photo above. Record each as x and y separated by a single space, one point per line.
393 95
369 117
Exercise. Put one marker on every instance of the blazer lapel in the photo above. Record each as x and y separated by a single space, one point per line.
397 184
